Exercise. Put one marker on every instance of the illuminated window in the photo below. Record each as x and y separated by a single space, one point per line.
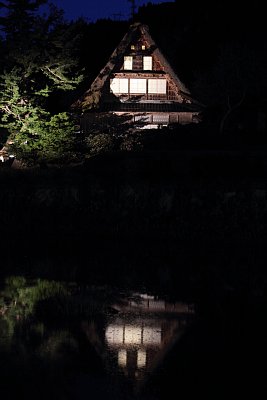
143 47
152 335
147 63
161 118
114 334
119 85
157 86
138 86
157 304
122 358
141 358
132 47
128 62
132 334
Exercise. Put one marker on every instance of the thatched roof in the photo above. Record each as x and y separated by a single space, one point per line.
92 96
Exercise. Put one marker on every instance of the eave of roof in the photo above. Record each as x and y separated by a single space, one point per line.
150 107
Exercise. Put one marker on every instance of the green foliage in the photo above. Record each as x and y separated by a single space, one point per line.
45 138
99 143
39 59
30 296
21 112
15 282
58 346
22 296
13 285
132 142
40 44
106 132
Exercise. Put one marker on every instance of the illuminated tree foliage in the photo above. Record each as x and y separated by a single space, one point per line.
38 59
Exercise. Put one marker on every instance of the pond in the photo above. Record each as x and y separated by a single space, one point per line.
65 341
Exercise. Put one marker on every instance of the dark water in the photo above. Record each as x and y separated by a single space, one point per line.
110 349
198 241
63 341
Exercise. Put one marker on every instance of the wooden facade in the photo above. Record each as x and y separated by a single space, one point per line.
139 82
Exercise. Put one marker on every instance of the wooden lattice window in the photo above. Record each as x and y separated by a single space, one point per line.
157 86
147 63
128 62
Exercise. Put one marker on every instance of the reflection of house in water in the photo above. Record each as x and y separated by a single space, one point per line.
145 302
136 341
142 335
139 336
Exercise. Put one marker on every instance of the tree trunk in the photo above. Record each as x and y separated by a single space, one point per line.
230 109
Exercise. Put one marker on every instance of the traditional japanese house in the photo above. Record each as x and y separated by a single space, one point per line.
138 83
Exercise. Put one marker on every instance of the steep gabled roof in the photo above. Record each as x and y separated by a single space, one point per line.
92 96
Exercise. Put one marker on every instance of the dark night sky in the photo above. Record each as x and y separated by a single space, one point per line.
96 9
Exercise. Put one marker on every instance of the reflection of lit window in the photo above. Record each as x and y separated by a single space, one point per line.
119 85
143 47
141 358
147 63
128 62
132 334
122 358
114 334
151 335
147 296
157 304
157 86
138 86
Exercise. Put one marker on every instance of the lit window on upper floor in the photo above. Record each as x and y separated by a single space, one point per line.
132 47
128 62
143 47
147 63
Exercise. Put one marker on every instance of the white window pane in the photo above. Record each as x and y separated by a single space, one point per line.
132 334
128 62
151 335
147 63
161 118
157 86
137 85
141 358
122 358
123 85
158 304
114 334
119 85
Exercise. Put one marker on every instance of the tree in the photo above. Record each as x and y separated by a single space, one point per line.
106 132
39 59
237 76
45 138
